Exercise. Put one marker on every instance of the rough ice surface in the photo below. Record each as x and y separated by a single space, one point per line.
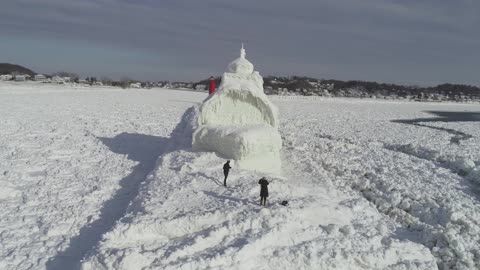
94 180
239 122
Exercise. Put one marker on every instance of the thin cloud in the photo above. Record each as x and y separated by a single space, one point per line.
410 41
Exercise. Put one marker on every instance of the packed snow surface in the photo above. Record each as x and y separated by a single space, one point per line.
104 178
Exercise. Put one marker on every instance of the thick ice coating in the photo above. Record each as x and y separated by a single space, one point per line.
239 122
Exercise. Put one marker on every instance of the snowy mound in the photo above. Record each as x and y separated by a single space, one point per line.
184 218
239 122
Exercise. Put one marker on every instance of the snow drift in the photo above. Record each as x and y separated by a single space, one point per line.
238 121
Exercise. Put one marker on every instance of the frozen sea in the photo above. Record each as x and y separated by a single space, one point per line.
87 181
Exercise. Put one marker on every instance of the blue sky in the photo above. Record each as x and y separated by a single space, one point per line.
413 42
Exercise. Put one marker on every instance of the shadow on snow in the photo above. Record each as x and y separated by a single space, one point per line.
144 149
445 116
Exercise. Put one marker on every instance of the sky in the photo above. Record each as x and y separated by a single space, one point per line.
420 42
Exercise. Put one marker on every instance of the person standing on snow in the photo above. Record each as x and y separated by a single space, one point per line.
211 85
263 191
226 169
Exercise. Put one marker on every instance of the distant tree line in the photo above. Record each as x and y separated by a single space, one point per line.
290 85
310 86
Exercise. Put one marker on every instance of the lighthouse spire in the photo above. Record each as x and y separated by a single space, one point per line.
242 52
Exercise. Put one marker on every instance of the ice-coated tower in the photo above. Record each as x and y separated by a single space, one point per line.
239 122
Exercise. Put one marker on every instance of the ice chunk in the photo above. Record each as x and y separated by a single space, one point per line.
239 122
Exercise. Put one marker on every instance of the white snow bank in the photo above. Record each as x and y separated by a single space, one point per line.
188 220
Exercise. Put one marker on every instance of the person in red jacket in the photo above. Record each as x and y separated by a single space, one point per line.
211 85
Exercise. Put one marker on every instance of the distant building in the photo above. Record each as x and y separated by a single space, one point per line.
6 77
83 81
135 85
57 79
21 78
40 78
200 87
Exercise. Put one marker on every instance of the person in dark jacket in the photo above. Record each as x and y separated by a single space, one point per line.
263 190
226 169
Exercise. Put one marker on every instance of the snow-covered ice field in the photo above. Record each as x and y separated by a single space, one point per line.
88 180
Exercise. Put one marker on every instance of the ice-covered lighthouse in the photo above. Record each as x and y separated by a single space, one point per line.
239 122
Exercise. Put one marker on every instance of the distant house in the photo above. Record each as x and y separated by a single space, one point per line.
83 81
57 79
200 87
6 77
135 85
67 79
40 78
21 78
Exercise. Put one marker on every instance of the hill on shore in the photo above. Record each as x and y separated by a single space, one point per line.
7 68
